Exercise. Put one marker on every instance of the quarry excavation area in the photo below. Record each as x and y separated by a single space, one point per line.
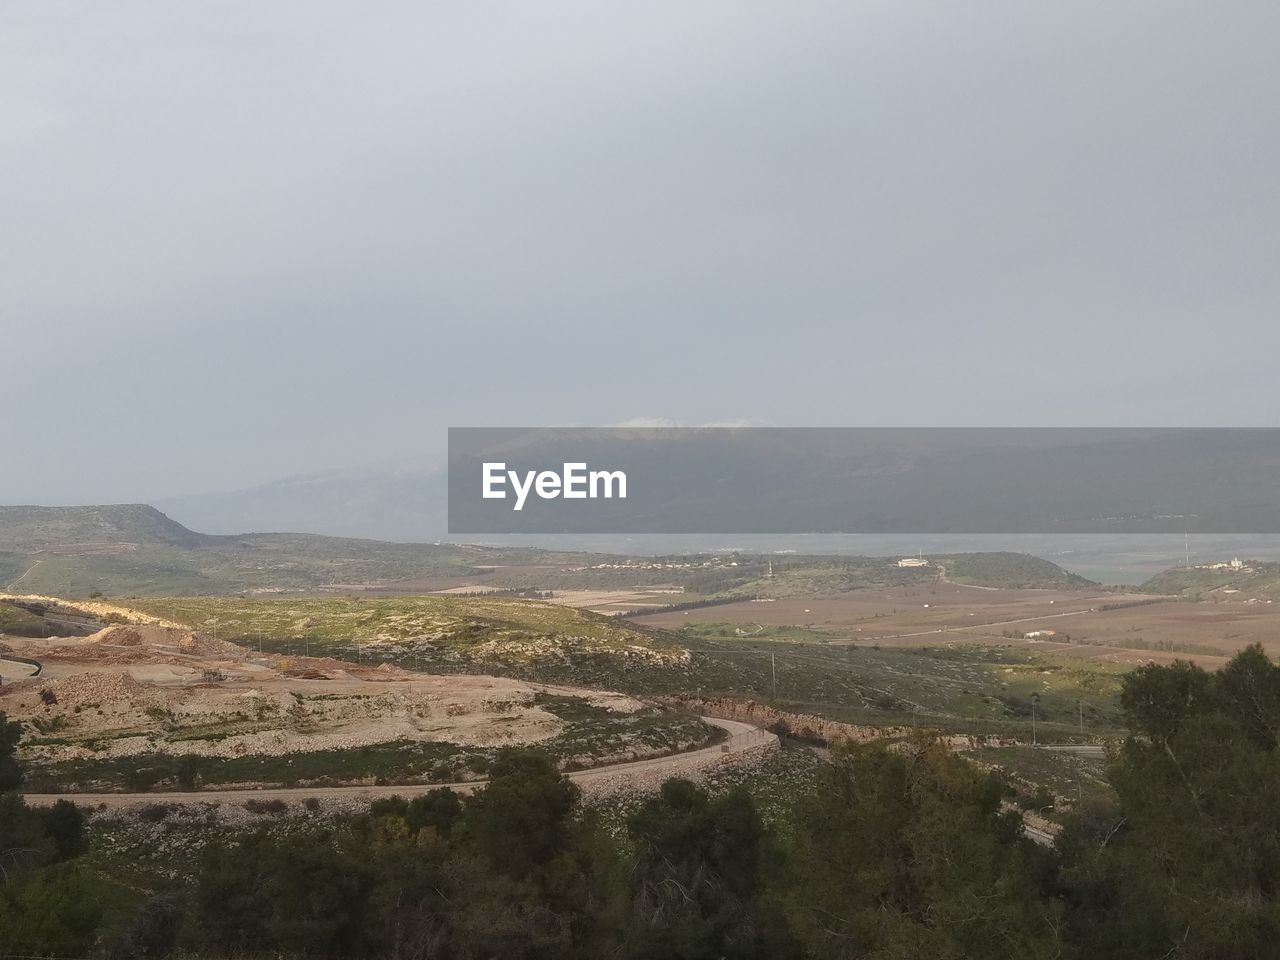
138 691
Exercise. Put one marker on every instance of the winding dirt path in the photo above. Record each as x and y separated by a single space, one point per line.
743 737
24 576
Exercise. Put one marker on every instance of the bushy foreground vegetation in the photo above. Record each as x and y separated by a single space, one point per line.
891 854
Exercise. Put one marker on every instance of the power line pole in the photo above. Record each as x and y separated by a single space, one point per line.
773 666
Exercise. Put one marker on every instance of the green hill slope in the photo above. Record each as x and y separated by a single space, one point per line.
476 628
29 528
1256 579
1010 570
135 550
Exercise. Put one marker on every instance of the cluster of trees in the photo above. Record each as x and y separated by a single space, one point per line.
890 854
48 899
1186 861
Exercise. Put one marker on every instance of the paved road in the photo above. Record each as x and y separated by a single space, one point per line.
742 737
1095 750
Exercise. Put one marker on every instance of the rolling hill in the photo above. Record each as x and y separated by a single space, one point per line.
135 550
1255 579
129 549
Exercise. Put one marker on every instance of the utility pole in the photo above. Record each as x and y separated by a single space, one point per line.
1035 698
1080 701
773 666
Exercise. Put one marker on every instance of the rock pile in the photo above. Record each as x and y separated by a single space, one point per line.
145 635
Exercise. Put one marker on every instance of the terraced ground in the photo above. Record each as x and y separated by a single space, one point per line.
162 695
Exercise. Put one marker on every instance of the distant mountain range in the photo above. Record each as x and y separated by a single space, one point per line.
405 505
900 482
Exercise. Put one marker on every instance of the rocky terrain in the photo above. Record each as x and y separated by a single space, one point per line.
156 689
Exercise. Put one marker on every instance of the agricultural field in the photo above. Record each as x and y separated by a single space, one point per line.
917 614
963 688
1122 627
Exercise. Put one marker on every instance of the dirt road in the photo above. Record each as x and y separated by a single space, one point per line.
24 576
743 738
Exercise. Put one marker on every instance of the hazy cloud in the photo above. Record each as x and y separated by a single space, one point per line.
245 241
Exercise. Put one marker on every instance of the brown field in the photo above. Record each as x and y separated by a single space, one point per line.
881 614
1136 628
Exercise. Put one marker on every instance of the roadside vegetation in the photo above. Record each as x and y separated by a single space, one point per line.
19 622
592 735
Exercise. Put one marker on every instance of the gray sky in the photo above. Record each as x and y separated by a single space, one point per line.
240 241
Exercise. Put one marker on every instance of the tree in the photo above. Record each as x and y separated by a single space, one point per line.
520 821
906 853
1186 862
55 911
699 880
10 771
65 827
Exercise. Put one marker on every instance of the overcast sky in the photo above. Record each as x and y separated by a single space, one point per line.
243 240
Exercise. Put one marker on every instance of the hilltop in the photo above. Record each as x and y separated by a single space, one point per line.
1018 571
29 528
1254 578
134 549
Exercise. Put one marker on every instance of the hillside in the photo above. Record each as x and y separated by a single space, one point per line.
1255 579
135 550
1015 571
30 528
475 628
